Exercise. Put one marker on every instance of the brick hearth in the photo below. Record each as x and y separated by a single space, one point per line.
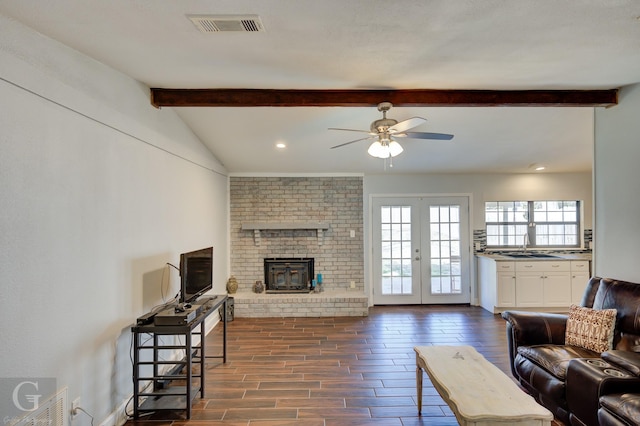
325 304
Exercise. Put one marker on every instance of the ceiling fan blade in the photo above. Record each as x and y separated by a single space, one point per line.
351 130
350 142
407 124
425 135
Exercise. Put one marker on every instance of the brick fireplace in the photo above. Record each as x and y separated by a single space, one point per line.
296 218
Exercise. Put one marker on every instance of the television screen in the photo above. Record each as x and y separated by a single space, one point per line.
196 270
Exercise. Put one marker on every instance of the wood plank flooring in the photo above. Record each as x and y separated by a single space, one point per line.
335 371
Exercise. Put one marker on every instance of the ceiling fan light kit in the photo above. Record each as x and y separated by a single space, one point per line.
385 149
385 129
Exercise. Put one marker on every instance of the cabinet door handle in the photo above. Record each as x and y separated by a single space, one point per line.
555 266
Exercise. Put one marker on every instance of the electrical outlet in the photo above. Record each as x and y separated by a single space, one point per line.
353 284
74 407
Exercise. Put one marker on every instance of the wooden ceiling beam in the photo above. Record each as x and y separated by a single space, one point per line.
367 98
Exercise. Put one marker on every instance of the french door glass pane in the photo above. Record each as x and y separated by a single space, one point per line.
445 249
396 250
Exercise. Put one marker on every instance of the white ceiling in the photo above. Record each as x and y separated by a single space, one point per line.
367 44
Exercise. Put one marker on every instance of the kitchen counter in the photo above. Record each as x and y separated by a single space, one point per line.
556 256
551 282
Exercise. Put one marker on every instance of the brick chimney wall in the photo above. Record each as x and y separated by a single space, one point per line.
336 201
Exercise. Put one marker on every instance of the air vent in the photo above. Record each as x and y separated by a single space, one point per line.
224 23
52 411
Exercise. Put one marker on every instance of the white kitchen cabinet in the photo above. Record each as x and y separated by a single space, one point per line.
580 274
529 290
557 289
506 289
543 284
496 284
531 284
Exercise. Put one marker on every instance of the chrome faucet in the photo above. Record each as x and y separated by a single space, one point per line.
525 241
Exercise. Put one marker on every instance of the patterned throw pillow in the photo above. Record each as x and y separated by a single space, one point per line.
590 329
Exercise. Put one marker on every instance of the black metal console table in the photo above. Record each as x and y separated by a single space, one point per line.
151 391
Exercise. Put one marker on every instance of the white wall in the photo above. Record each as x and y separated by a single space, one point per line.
616 178
98 192
482 188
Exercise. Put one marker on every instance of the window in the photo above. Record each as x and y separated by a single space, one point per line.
396 250
541 224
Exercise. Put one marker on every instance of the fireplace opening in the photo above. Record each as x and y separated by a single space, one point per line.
285 275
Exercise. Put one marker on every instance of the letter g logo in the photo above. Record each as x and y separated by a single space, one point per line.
34 399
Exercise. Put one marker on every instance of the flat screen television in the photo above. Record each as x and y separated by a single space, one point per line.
196 271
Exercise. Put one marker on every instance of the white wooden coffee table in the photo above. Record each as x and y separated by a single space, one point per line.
477 391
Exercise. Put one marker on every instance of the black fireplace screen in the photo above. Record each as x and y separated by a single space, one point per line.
288 275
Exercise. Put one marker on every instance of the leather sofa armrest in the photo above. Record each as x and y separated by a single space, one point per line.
626 360
533 328
536 328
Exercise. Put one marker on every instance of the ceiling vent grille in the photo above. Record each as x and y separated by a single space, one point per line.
225 23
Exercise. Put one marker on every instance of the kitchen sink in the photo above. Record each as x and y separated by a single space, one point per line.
531 256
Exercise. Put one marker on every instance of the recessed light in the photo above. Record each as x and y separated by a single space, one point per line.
281 145
536 167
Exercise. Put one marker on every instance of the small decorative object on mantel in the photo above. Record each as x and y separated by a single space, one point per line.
258 287
232 285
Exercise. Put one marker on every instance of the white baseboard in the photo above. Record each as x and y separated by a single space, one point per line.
119 416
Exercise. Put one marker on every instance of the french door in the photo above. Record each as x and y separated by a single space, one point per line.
421 250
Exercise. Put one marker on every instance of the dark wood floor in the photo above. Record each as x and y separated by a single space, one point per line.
336 371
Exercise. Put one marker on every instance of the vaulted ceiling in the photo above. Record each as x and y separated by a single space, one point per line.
367 45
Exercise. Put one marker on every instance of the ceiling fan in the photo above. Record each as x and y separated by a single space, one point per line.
385 130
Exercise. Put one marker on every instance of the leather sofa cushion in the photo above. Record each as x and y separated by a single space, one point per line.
590 292
625 407
555 358
543 386
629 361
622 296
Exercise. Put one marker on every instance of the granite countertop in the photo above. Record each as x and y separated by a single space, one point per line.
504 256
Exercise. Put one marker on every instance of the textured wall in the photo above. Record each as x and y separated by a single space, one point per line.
334 200
616 173
99 192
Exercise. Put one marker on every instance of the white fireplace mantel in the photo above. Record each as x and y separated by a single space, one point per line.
256 227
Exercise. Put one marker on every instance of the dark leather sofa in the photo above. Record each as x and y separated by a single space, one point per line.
579 386
619 410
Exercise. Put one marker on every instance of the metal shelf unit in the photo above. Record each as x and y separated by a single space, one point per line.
153 388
